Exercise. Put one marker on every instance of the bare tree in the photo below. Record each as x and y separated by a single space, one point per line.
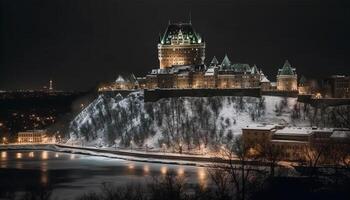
272 154
241 168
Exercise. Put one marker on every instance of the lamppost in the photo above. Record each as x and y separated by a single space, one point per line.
131 142
82 141
180 148
115 144
4 140
202 146
164 146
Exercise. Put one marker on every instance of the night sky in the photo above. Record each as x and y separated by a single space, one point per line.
79 43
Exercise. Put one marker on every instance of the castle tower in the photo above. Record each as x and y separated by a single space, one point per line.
180 45
287 78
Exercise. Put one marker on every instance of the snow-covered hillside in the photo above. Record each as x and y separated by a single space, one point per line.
190 121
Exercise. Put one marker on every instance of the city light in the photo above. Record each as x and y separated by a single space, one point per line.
44 155
163 170
180 171
18 155
146 169
3 155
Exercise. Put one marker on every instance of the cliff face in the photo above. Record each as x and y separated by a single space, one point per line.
190 121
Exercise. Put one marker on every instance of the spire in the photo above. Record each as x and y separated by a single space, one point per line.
286 64
226 62
160 38
190 18
214 62
254 70
286 69
302 80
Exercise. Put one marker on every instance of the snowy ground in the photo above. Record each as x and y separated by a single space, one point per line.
110 121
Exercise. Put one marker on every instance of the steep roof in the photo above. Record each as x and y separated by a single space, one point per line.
184 30
240 67
214 62
226 63
254 70
126 78
120 79
263 78
286 69
302 80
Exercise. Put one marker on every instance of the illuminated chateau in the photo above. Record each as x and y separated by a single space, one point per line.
180 45
181 54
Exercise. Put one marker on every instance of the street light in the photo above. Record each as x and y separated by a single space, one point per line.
115 144
180 148
3 140
164 146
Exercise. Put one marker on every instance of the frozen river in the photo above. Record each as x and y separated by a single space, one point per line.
72 174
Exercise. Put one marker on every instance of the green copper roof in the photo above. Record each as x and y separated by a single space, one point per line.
239 67
183 30
286 69
226 63
254 70
214 61
302 80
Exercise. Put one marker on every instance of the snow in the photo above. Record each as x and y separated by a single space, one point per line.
294 131
120 79
110 119
260 126
341 134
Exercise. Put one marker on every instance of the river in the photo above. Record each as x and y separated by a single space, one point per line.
72 175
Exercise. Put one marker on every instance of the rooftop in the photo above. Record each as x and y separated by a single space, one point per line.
286 69
260 127
180 31
341 134
301 130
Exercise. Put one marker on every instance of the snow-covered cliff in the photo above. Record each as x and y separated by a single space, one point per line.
186 120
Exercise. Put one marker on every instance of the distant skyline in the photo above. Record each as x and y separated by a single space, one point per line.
81 43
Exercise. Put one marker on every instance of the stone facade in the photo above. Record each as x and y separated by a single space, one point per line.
287 79
337 86
293 143
201 76
180 45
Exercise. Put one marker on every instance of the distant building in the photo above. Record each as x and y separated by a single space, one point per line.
180 45
293 142
304 86
266 84
51 85
34 136
121 83
218 76
337 86
258 134
287 78
181 54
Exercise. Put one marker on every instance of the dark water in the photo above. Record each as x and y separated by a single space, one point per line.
72 175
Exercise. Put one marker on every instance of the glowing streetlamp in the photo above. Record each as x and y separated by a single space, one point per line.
164 146
318 95
4 140
180 148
